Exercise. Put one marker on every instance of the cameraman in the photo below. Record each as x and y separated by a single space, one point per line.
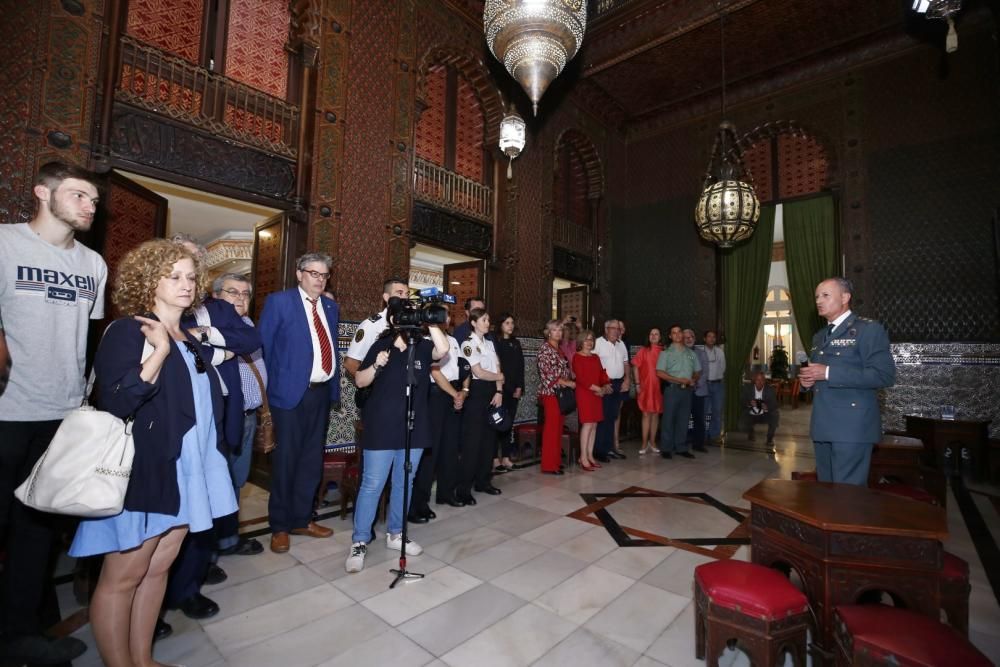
759 403
373 327
384 415
485 392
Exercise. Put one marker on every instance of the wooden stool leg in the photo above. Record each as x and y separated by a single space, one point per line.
699 633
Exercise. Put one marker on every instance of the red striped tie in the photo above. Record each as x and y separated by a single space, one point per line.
325 350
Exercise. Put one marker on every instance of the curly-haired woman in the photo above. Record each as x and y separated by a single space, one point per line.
151 370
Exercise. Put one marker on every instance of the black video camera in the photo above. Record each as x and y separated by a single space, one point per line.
404 313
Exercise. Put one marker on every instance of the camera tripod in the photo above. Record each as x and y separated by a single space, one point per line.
411 381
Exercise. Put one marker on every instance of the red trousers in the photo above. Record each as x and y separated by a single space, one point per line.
551 435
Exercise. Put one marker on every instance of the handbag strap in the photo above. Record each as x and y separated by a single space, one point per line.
260 381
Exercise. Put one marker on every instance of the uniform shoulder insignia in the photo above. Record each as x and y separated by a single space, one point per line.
359 335
374 318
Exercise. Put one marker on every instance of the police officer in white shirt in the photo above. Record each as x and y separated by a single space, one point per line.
370 329
449 387
485 392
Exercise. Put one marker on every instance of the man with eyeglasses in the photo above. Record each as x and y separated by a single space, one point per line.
235 289
299 330
614 359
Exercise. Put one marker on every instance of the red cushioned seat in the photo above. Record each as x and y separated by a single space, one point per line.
907 491
912 639
527 428
750 589
805 476
954 567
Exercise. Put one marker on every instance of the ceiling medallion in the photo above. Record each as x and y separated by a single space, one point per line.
534 39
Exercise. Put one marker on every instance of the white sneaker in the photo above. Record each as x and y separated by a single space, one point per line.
356 559
396 542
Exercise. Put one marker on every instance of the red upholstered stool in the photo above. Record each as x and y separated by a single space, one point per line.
875 634
907 491
954 586
753 604
805 476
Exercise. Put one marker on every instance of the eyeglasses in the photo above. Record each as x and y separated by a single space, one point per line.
199 363
245 294
316 274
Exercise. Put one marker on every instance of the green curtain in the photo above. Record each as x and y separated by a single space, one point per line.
810 257
745 271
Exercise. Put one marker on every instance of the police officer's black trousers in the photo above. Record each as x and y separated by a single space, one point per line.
441 459
478 439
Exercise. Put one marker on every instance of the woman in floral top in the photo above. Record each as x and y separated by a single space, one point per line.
553 371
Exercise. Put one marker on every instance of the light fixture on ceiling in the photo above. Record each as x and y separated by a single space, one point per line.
534 39
511 138
728 209
941 9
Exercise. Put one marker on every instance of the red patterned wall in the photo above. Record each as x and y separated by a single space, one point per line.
367 156
802 166
170 25
469 132
255 44
430 129
758 161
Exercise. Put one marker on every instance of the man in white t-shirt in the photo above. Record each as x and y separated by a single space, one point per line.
51 287
614 359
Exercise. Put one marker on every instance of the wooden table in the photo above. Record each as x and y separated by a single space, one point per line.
846 540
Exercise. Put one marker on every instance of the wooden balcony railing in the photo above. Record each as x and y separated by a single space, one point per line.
178 89
440 187
573 236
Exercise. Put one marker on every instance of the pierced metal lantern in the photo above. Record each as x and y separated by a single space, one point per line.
728 209
534 39
511 138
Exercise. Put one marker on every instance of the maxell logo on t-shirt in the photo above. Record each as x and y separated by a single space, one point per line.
55 286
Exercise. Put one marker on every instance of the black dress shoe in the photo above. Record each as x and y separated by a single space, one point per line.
687 455
416 518
198 607
617 454
467 500
554 472
453 502
602 458
215 575
490 490
249 547
163 630
666 455
699 448
428 513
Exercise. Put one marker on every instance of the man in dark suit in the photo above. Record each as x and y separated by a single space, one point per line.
850 361
299 330
759 403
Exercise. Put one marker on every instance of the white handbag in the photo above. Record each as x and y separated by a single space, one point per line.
86 468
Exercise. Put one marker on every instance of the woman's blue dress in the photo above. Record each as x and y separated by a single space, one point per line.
206 488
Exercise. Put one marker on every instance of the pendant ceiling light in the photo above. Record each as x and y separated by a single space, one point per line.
511 137
728 209
534 39
941 9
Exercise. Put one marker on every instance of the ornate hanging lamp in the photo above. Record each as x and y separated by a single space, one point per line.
728 209
511 137
534 39
941 9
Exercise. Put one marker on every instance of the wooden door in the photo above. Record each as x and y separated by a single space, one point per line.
277 244
574 302
464 280
132 214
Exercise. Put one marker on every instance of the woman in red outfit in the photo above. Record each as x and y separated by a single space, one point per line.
650 397
592 384
553 371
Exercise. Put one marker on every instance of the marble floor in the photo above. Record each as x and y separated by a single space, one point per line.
512 581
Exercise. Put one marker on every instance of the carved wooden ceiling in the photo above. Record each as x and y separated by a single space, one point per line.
644 58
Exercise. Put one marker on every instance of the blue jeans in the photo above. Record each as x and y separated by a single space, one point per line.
239 470
716 400
604 440
377 463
